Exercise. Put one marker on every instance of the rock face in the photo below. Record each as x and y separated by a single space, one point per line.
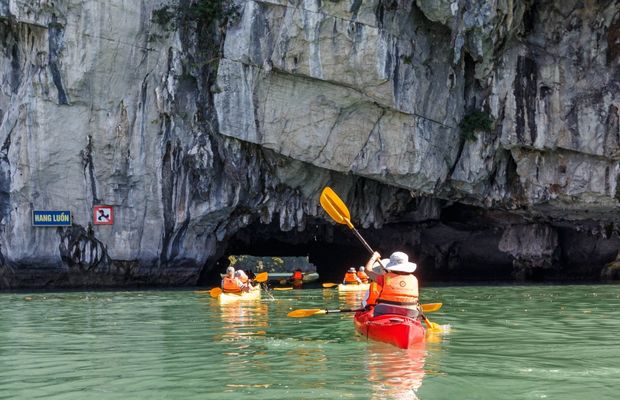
212 127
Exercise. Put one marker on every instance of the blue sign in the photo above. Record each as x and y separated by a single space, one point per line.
51 218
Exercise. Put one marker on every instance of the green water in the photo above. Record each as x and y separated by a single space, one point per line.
528 342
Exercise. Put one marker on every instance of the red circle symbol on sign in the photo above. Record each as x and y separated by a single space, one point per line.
103 215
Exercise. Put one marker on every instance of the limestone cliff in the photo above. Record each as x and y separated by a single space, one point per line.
481 136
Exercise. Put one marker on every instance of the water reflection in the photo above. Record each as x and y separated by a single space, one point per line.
243 318
395 373
351 299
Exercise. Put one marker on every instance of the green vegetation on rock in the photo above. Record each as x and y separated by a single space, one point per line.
163 17
208 11
203 11
475 121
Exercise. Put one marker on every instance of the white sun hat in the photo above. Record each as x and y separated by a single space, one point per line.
399 262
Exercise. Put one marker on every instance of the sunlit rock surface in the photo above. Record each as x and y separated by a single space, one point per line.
209 135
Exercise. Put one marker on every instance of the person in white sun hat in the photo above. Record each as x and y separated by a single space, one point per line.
396 290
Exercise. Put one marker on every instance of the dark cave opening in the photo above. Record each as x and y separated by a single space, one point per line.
450 251
330 258
459 245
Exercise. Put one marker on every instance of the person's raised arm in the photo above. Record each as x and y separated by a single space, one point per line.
369 266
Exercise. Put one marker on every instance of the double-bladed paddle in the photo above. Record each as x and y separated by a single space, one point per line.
302 313
335 207
329 285
217 291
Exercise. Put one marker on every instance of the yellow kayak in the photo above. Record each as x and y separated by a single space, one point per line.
254 294
353 288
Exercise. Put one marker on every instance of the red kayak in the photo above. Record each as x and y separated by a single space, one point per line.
401 331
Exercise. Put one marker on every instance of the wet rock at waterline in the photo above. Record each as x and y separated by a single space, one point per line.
481 137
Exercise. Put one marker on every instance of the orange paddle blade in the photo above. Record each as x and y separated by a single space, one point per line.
335 207
431 307
283 288
262 277
329 285
215 292
431 326
305 312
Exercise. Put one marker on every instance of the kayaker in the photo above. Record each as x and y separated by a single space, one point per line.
396 290
245 280
231 283
361 273
351 278
297 278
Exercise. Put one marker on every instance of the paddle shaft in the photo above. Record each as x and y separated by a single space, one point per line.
432 307
303 313
359 236
430 325
343 310
364 242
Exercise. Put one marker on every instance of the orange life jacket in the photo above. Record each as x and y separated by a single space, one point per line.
392 288
362 275
373 292
297 276
243 279
399 289
230 285
350 277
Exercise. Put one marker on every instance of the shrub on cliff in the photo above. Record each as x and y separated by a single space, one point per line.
475 121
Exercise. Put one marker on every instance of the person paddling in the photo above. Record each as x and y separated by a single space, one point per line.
396 290
351 278
244 279
231 283
297 278
297 275
361 273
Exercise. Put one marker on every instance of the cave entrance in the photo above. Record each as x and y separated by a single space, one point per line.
329 249
461 246
279 268
275 264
